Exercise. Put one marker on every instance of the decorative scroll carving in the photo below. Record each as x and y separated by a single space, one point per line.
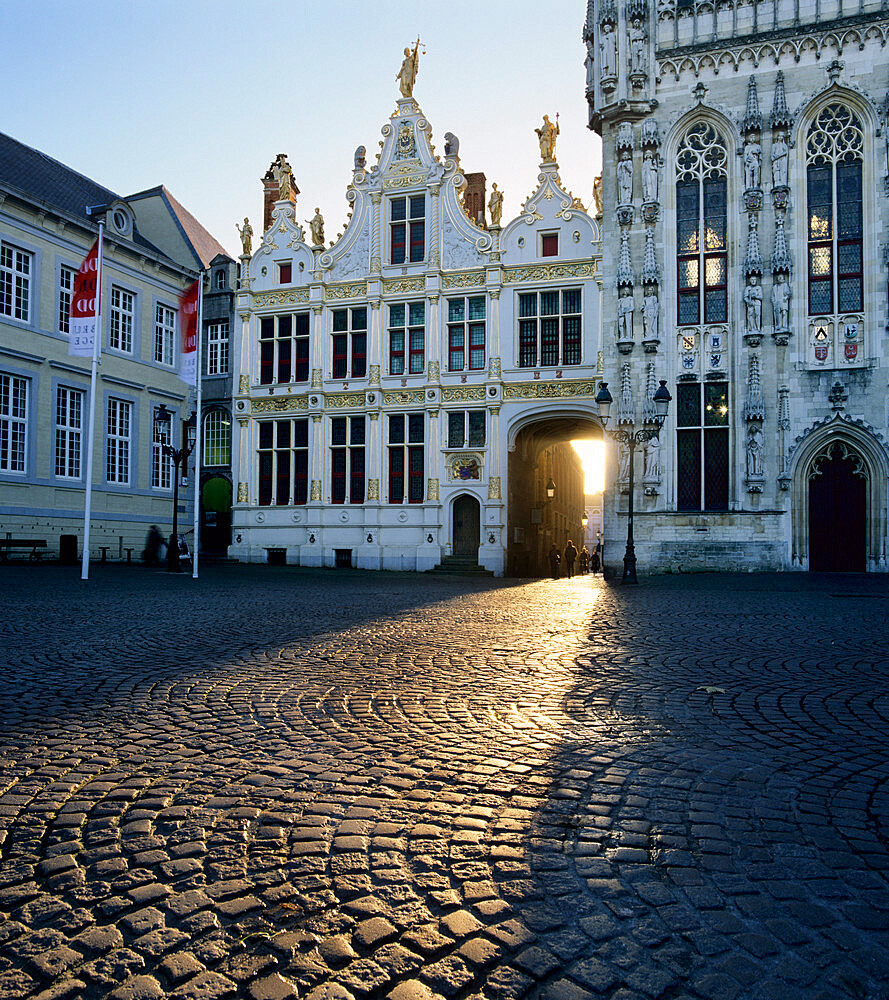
550 272
293 296
402 397
463 279
354 290
243 493
470 393
279 404
550 390
346 400
494 488
398 286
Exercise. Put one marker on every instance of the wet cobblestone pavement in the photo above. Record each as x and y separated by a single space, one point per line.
278 783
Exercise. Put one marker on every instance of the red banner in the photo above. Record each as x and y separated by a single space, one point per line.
188 323
84 306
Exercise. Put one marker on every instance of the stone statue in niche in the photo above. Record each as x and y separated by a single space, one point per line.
623 458
781 302
650 315
754 450
779 154
752 164
316 227
608 46
495 205
753 304
589 62
652 459
649 176
625 314
637 38
246 234
625 178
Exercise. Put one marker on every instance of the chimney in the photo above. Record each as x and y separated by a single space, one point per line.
474 197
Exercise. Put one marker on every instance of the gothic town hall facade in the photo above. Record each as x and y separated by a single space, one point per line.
745 200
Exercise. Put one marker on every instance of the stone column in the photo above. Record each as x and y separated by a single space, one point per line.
375 360
375 233
243 494
433 339
318 342
434 255
315 495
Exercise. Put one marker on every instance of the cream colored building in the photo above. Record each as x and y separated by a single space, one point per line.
153 249
405 394
745 205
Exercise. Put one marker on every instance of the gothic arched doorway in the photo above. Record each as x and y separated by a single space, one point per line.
466 527
838 511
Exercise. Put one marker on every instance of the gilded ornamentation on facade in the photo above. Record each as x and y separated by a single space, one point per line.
474 392
242 493
315 493
317 376
279 404
494 369
494 488
355 290
373 489
549 390
463 279
243 385
346 400
432 490
399 286
550 272
413 180
434 371
465 467
291 297
373 374
243 421
402 397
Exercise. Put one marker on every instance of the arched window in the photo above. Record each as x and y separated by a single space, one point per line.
834 146
217 438
701 172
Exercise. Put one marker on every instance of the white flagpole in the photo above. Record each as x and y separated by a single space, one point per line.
91 423
197 437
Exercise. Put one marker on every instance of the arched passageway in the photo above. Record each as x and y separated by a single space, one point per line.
838 511
546 498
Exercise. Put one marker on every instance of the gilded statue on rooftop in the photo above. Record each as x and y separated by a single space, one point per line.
546 135
407 75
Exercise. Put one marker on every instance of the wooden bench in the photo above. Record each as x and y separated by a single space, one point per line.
10 544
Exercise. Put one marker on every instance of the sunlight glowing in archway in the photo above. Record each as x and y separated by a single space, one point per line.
592 454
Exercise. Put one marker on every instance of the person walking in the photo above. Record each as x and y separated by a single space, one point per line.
554 560
151 552
595 560
570 556
584 560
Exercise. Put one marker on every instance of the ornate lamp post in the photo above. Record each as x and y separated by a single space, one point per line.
631 438
162 421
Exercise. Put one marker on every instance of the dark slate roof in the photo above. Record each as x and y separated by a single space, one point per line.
44 179
202 244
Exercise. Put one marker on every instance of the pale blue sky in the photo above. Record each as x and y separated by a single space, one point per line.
200 95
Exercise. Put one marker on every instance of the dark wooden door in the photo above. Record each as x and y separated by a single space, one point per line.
466 527
838 517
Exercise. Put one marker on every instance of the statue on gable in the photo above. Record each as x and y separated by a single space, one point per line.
597 194
495 205
246 234
316 227
360 158
452 146
284 176
546 136
407 75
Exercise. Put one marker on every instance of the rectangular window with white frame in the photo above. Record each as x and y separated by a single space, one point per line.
13 423
217 348
466 429
69 432
347 438
164 334
349 343
407 229
161 464
466 334
117 442
66 289
284 348
406 457
123 311
407 338
550 326
283 462
16 266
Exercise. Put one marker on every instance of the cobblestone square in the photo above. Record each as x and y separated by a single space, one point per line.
330 784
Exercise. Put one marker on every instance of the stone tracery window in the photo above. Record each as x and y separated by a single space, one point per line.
701 222
834 156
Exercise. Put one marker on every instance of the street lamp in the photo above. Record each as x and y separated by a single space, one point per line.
550 488
584 522
631 438
162 421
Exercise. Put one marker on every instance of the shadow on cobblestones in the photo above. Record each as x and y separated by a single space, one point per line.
340 785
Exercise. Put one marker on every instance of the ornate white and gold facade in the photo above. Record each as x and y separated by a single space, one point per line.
383 378
745 198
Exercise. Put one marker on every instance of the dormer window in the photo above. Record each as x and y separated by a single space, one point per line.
407 229
219 281
549 245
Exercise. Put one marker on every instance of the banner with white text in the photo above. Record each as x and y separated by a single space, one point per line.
188 323
84 306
